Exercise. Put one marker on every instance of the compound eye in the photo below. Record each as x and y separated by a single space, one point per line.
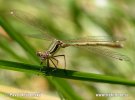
39 53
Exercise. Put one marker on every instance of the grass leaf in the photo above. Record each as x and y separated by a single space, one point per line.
69 74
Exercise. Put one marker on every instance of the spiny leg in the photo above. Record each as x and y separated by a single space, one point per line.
55 60
46 69
64 59
47 63
53 64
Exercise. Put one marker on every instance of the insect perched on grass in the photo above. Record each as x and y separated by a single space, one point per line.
93 43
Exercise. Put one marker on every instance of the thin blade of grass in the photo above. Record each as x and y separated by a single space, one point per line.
5 47
69 74
18 38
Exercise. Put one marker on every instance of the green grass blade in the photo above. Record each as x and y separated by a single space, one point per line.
69 74
5 47
71 94
17 37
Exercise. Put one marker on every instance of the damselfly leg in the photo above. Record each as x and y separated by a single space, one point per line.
64 59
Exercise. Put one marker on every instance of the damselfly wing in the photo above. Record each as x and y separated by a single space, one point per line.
91 43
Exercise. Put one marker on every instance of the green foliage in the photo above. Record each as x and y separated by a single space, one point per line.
63 20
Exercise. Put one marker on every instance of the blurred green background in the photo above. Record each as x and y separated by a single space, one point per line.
70 19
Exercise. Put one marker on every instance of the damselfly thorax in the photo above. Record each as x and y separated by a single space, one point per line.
49 55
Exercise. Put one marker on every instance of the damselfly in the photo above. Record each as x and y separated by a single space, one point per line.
95 44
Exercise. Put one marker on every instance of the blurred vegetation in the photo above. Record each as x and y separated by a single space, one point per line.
68 19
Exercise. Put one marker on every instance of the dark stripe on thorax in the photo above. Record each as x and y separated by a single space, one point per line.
54 47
